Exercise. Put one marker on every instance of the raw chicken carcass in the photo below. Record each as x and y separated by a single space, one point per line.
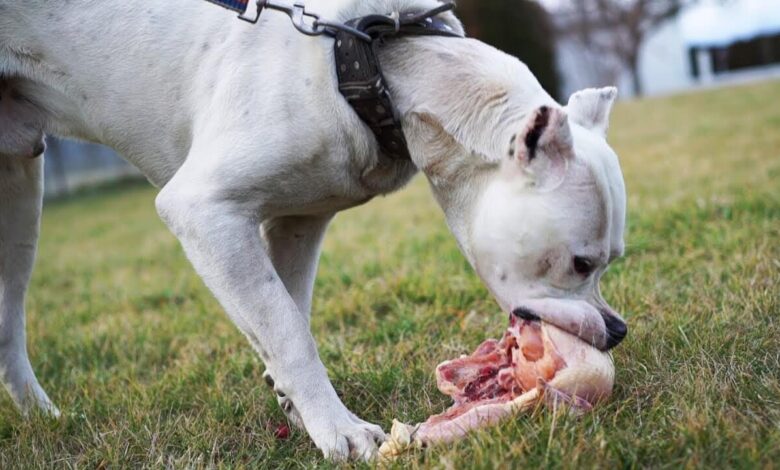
533 362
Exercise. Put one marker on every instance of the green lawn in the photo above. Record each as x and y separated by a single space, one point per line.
148 371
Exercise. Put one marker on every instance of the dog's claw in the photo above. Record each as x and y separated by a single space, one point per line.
268 379
270 382
290 412
293 417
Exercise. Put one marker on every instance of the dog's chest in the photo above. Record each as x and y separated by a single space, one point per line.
321 185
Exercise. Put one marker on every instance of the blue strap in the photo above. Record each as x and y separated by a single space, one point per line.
235 5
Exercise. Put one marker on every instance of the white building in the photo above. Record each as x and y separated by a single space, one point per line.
708 45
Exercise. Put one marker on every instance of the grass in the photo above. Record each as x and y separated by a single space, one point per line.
149 372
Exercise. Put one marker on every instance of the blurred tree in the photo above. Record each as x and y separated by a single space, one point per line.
522 28
618 27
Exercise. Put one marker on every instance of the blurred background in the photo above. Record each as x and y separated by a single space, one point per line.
645 47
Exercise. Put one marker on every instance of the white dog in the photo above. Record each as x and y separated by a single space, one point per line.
255 150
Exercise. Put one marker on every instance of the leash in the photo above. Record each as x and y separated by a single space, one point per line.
360 78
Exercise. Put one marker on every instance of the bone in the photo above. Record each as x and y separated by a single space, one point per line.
535 364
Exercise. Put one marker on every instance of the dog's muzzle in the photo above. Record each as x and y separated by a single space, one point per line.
615 329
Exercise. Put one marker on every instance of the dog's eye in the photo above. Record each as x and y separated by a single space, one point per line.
583 266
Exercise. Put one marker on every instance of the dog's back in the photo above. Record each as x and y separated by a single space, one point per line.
108 72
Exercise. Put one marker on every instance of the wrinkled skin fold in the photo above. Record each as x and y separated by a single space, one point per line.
534 363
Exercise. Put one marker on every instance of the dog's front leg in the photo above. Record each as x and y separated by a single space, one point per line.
222 240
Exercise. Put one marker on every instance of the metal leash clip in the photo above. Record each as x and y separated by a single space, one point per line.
307 23
299 16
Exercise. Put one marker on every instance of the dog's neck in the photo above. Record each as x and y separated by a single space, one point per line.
462 101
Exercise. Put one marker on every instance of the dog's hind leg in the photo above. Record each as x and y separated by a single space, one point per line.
294 247
21 193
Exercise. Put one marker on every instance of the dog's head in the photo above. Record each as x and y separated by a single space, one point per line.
551 217
531 190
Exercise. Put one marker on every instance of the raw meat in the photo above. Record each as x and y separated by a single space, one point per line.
533 362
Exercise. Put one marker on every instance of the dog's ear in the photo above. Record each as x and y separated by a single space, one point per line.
543 147
591 108
546 132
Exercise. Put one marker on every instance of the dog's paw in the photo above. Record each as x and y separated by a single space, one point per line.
346 437
335 430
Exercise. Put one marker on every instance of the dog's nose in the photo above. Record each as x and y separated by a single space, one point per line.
525 314
616 330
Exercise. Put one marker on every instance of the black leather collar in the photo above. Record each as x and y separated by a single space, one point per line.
360 76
